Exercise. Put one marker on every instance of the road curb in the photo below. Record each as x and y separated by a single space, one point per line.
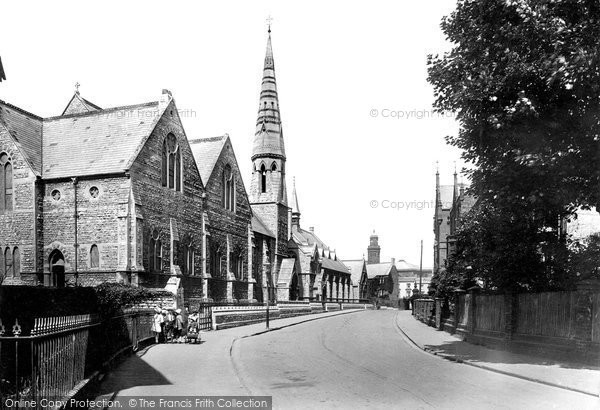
272 329
491 369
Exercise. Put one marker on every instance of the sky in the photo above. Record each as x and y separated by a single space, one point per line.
361 138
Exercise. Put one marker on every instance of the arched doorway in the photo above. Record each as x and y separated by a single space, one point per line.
57 269
294 291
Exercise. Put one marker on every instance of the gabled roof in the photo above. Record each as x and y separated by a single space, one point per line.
334 265
78 105
259 226
26 130
105 141
303 237
356 268
206 152
379 269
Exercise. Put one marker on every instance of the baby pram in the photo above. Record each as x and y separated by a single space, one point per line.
193 331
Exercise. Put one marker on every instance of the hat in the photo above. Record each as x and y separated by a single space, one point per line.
157 309
178 311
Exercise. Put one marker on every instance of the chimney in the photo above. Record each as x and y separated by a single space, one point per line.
394 261
312 229
165 99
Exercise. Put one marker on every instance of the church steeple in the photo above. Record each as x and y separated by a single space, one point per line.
268 150
268 137
268 193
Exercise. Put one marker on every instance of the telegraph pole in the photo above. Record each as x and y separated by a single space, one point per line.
421 269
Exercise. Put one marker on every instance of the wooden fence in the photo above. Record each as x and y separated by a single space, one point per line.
489 313
567 320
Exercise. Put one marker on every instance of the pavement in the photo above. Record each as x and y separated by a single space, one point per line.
184 369
558 372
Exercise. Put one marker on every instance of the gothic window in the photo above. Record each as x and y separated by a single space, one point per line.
274 166
155 253
190 260
7 262
158 264
164 164
6 183
178 171
171 164
151 258
215 261
94 257
16 262
263 179
236 265
228 189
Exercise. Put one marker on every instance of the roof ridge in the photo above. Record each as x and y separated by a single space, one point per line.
21 110
208 139
101 111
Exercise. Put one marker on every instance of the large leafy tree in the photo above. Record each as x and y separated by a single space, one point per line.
523 78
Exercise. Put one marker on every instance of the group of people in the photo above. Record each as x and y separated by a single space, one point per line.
174 325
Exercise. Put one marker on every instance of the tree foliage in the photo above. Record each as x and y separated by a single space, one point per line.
523 78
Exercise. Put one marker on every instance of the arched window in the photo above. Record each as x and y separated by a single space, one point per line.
228 195
178 170
7 262
6 183
263 179
165 163
94 257
171 164
190 260
158 253
151 257
274 166
16 262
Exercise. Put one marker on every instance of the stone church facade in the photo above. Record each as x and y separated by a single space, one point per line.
99 195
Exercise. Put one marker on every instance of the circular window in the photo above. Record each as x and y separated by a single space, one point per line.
94 192
55 194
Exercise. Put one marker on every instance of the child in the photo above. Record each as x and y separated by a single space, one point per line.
157 322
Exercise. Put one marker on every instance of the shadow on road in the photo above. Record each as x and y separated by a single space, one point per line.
120 378
490 354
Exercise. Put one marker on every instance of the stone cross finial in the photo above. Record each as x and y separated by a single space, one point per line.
269 21
77 85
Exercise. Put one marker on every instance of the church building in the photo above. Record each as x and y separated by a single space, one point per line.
96 195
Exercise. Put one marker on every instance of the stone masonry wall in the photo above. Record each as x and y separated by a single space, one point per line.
19 226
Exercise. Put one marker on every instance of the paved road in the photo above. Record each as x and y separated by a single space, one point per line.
361 360
357 360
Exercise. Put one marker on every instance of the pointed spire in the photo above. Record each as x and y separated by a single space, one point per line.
268 138
295 206
455 193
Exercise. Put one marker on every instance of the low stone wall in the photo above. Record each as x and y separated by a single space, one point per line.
224 317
